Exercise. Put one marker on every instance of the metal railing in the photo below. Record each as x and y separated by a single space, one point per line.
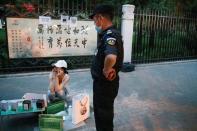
161 35
66 7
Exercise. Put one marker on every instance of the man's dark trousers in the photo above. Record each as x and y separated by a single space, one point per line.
104 93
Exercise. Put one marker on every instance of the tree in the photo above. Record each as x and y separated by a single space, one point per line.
186 5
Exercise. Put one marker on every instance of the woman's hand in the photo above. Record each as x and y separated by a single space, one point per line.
54 74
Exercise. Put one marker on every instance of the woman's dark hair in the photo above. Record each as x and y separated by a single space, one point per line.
65 70
52 67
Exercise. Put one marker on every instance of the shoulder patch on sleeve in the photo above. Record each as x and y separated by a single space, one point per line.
111 41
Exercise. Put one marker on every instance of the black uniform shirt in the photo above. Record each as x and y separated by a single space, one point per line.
109 42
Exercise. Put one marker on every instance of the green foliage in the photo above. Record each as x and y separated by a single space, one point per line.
3 48
185 5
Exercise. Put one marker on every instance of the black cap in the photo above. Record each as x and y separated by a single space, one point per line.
103 9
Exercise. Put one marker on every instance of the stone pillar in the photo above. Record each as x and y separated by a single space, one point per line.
127 34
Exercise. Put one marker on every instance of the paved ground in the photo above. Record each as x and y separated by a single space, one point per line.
154 97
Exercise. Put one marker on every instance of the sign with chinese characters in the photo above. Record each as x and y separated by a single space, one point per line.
29 39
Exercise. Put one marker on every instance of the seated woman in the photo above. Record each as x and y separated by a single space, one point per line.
58 80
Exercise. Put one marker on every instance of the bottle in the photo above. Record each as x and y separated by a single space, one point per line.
66 106
70 112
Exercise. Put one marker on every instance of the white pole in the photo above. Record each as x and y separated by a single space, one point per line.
127 30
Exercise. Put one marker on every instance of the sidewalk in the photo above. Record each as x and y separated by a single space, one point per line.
154 97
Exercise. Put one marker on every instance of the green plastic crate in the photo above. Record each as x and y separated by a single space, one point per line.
49 122
55 107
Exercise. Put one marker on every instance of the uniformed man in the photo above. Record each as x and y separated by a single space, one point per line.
107 63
